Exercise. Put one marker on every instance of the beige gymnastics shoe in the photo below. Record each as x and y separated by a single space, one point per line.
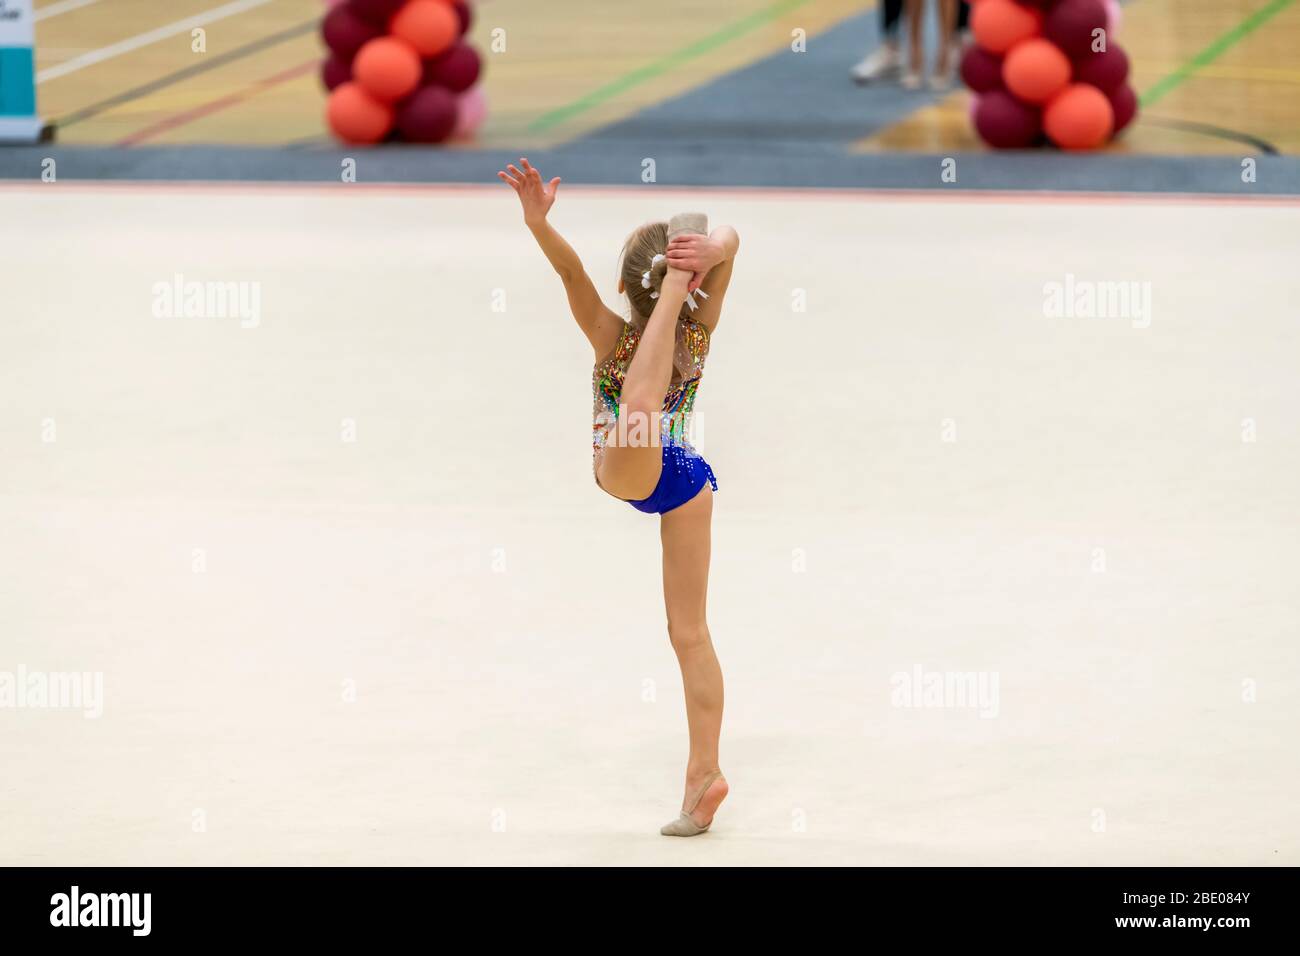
687 222
685 825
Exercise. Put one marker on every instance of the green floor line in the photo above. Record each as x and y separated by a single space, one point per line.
667 63
1216 49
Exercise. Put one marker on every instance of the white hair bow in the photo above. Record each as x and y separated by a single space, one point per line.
645 276
690 296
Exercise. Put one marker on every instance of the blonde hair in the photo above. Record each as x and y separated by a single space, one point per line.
639 250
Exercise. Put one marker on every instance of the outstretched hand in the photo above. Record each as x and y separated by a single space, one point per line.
695 254
536 197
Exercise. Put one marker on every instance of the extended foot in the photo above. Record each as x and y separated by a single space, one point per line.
704 794
715 792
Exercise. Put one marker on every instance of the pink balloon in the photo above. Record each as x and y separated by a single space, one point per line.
974 105
1114 17
471 111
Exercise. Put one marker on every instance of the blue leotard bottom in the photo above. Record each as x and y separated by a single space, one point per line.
684 474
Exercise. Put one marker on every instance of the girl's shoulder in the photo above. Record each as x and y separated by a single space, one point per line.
625 337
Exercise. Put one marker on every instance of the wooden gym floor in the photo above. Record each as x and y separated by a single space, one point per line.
1212 73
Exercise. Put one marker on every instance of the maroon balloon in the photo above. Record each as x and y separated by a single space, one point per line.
428 115
980 69
376 11
457 69
1005 122
1106 71
345 33
465 14
1070 25
334 71
1125 104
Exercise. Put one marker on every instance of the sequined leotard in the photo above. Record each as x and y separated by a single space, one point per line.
689 353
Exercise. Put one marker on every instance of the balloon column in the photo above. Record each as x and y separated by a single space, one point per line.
1047 69
401 70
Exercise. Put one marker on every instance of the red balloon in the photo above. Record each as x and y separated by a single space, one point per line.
428 116
334 71
345 33
387 67
1079 117
376 11
430 26
1106 71
1004 122
1071 24
980 69
357 117
1125 104
457 69
1036 70
999 25
464 14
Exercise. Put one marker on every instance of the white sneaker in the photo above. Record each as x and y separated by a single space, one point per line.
912 80
878 64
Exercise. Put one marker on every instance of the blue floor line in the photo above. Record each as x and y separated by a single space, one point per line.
620 165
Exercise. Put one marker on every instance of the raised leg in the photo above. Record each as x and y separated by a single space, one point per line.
633 457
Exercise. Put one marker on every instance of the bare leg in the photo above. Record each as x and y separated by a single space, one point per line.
947 36
915 18
632 471
685 533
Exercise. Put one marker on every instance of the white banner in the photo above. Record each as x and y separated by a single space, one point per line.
17 25
18 121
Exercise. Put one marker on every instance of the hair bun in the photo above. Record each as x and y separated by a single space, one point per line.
653 277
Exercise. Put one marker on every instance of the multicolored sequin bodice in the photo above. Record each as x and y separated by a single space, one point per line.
689 353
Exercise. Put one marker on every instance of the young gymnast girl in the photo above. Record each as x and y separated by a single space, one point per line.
647 371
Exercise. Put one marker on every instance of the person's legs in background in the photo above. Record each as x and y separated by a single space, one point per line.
941 77
949 45
915 38
884 61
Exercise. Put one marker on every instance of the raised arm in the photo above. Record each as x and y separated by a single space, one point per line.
710 259
599 324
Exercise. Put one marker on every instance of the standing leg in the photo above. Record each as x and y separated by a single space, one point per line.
883 61
915 25
947 43
685 533
891 11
